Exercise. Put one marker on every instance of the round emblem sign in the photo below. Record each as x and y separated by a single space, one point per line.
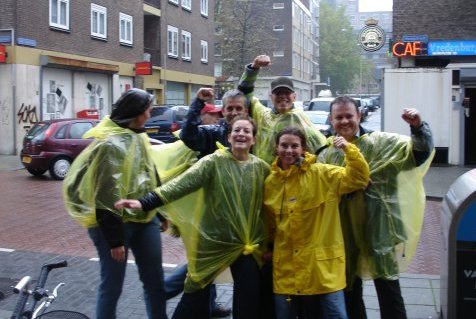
372 38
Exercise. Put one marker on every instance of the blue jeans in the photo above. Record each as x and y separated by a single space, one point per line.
174 284
246 294
326 306
144 241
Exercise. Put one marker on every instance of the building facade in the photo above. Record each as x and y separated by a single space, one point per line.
435 48
295 53
63 57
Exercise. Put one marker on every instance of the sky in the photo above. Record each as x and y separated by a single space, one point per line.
375 5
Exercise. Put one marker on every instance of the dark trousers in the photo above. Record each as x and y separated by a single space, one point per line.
389 297
174 284
246 294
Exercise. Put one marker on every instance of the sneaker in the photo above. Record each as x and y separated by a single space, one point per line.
220 312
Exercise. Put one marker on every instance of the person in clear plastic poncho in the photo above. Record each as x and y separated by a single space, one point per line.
382 224
118 164
223 228
283 114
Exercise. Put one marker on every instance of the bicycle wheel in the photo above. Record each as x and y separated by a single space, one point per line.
63 314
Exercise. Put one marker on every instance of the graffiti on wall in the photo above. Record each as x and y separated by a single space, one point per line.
96 101
56 101
5 117
27 116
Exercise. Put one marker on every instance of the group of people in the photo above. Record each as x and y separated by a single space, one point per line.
300 219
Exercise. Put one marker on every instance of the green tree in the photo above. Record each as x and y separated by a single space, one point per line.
339 51
243 30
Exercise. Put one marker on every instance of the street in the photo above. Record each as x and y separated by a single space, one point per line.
35 229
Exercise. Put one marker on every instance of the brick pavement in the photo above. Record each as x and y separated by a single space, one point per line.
34 223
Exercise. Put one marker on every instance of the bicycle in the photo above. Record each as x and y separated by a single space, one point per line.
23 310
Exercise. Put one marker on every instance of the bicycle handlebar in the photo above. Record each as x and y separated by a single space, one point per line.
38 292
45 270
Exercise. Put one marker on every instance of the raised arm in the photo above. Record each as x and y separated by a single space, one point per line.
249 76
191 134
421 135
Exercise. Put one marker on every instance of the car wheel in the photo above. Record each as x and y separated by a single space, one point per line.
35 171
59 167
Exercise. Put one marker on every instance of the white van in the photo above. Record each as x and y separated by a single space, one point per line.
320 104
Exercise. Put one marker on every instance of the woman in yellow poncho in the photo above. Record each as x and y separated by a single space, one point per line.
302 200
225 228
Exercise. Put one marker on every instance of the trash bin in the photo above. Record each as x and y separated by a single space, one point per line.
88 114
458 263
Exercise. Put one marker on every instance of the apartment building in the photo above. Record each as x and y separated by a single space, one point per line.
295 26
61 57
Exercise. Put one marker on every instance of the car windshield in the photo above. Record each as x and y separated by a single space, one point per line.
36 130
317 118
320 106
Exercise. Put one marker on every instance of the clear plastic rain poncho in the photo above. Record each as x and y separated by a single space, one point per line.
382 225
117 164
270 123
216 204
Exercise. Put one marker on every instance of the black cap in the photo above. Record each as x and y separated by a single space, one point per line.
130 105
282 82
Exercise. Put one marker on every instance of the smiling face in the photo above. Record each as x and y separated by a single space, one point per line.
289 150
283 99
233 107
345 120
241 137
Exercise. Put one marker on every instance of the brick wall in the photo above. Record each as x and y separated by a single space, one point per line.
33 23
439 19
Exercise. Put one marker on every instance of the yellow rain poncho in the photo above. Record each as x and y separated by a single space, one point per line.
117 164
382 225
269 124
303 203
216 205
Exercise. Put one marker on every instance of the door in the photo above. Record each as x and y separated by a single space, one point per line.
470 128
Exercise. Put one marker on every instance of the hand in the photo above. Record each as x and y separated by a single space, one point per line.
205 94
261 61
412 117
127 203
119 254
340 142
164 225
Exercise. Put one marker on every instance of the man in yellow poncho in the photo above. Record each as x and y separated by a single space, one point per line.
382 224
223 228
118 164
283 114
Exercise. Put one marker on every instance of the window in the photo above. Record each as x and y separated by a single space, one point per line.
78 129
204 46
174 1
172 41
186 45
278 27
187 4
278 5
59 14
204 7
125 28
98 21
218 50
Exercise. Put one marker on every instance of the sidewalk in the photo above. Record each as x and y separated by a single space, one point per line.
421 292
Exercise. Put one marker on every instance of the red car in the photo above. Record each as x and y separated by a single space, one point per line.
53 145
